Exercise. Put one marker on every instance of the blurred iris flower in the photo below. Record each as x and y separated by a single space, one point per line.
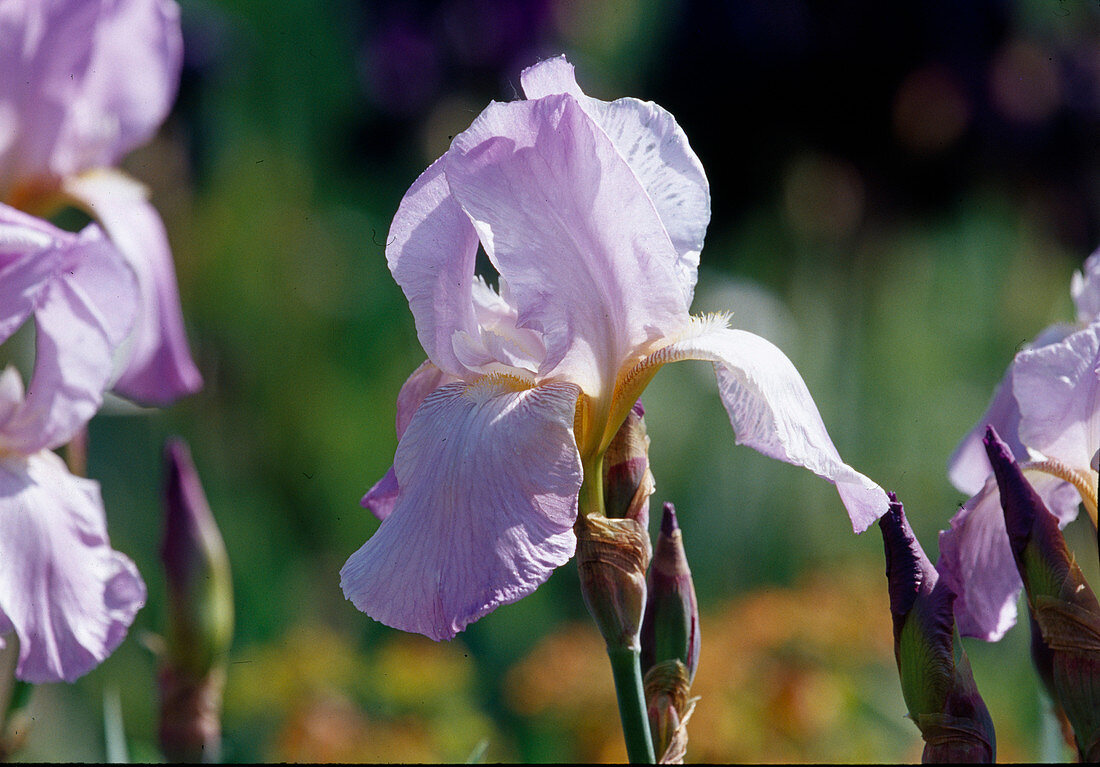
593 214
64 591
1047 410
83 82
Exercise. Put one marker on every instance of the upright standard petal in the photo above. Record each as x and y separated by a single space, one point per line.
969 466
83 314
431 250
88 80
655 148
489 477
1085 288
771 411
569 227
159 368
976 560
1058 388
67 594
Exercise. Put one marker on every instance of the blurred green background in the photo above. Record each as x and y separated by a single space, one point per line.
900 195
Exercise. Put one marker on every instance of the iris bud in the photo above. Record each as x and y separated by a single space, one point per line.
1061 602
936 680
200 616
613 549
627 481
670 641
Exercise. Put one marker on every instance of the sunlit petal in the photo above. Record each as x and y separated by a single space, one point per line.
159 368
82 316
87 81
431 250
655 148
1058 388
771 410
381 498
67 594
976 559
489 478
568 225
969 466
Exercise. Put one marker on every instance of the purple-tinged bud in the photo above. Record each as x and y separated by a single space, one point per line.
1059 597
1043 659
613 548
936 681
200 616
670 642
670 629
627 481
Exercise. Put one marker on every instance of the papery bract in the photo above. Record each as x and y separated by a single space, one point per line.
1047 410
593 214
63 590
83 82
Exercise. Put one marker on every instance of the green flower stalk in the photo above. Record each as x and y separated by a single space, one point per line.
936 680
1061 602
200 616
670 642
613 553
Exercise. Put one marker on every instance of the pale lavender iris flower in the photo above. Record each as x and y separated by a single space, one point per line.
83 82
593 214
66 594
1047 410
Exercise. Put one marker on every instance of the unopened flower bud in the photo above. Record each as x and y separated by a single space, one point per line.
612 555
670 629
627 481
670 642
200 616
1060 600
669 708
936 680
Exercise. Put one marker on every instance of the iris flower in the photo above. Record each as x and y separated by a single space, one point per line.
593 214
83 82
66 594
1047 410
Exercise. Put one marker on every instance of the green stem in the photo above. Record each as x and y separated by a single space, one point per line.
627 670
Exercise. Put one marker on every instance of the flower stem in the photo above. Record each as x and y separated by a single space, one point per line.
627 670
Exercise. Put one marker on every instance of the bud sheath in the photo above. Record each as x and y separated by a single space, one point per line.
200 616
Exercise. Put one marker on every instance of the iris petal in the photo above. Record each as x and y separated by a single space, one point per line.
67 594
976 560
159 368
771 411
572 231
1058 388
656 149
82 316
489 478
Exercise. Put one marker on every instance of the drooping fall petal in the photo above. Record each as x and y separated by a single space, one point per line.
488 477
159 368
771 411
381 498
67 594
